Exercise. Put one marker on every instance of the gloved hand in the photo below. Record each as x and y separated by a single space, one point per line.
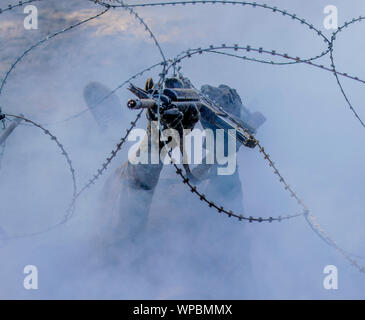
173 116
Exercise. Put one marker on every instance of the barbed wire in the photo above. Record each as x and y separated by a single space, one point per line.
223 2
309 217
114 152
71 208
311 220
254 5
76 195
127 7
47 132
71 169
193 188
248 48
213 49
275 10
105 165
267 157
218 50
78 114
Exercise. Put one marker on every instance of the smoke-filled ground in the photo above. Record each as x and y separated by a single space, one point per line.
189 250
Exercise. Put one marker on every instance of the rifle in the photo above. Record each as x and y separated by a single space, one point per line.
214 115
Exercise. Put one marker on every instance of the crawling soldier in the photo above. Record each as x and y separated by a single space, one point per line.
130 189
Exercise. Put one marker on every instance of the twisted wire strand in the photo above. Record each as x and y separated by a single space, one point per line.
215 49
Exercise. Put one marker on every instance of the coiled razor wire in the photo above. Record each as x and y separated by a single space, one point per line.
276 10
218 50
105 165
311 220
39 126
306 213
100 171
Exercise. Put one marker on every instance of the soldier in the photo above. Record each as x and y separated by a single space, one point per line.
130 189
